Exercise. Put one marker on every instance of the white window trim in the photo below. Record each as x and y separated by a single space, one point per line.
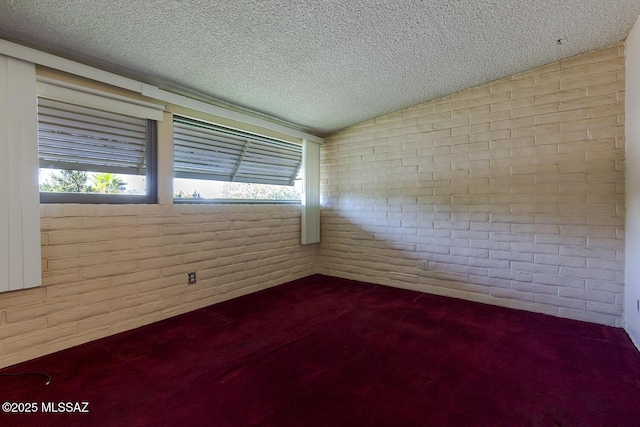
163 95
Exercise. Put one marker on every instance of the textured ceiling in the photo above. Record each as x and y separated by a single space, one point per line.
320 65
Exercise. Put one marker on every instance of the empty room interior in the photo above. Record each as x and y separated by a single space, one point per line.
300 213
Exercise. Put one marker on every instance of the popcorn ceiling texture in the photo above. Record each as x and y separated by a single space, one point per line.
511 193
322 65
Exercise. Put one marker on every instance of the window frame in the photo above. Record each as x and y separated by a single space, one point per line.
219 201
151 159
187 119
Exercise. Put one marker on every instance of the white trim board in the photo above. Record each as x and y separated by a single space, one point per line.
48 60
183 101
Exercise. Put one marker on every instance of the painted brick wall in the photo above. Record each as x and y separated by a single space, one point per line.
107 269
510 193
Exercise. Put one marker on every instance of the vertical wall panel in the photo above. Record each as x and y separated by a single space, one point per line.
632 270
4 174
165 160
20 213
311 193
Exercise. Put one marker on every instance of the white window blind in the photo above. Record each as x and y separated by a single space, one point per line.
207 151
81 138
92 98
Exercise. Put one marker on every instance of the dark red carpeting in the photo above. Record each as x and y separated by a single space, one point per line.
330 352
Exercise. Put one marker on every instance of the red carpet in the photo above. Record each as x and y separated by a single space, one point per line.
330 352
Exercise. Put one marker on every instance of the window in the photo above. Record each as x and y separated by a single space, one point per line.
87 155
214 162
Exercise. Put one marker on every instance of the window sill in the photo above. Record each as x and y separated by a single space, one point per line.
93 198
235 202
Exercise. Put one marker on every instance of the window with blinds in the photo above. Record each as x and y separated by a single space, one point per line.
245 166
85 152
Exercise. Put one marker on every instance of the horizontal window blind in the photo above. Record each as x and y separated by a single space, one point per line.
79 95
81 138
206 151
